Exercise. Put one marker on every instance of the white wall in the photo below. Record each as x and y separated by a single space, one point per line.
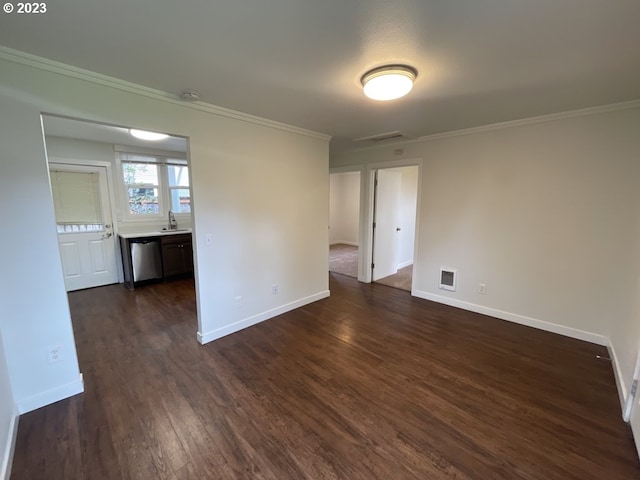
545 214
259 189
8 417
70 149
35 308
344 208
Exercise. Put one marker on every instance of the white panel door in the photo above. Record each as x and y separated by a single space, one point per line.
86 240
387 200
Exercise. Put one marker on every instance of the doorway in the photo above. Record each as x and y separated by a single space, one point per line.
107 182
344 223
99 156
395 199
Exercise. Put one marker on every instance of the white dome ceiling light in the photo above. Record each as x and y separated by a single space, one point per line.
150 136
388 82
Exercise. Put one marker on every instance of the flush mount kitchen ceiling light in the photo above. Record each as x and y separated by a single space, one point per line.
388 82
144 135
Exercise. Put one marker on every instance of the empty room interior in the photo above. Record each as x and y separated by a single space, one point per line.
320 240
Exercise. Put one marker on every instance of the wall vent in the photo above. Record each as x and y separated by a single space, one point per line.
448 279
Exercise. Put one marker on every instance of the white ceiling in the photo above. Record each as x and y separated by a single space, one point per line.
70 128
300 61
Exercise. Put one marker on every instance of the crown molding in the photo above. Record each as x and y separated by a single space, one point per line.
45 64
582 112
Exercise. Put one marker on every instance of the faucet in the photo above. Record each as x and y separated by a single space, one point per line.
173 225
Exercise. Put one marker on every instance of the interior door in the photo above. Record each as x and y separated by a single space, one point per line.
83 218
387 223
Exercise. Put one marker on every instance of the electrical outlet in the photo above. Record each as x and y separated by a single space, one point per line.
54 354
238 301
275 289
482 289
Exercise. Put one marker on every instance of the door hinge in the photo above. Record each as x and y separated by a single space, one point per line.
634 388
373 265
374 224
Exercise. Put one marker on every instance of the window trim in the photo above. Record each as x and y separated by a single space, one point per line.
171 162
157 186
162 161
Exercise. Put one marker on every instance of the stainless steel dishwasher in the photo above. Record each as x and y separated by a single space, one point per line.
146 259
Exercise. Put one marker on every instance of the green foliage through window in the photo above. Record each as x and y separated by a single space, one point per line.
142 184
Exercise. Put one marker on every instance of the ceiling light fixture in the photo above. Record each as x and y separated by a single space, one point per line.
150 136
388 82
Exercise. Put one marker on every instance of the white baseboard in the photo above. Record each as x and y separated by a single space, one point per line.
51 396
7 457
261 317
516 318
405 264
345 242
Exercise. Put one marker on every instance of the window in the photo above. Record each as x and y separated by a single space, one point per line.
76 200
143 188
180 196
153 185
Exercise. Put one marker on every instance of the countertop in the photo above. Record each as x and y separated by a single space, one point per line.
156 233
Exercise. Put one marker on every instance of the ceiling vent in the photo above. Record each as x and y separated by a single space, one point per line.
383 137
189 96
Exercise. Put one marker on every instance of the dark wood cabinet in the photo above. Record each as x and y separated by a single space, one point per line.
177 255
176 252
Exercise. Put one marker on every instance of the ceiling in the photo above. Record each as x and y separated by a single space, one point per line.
69 128
300 61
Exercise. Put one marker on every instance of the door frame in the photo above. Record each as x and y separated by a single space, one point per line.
631 407
367 219
367 174
628 406
366 214
53 160
361 170
371 171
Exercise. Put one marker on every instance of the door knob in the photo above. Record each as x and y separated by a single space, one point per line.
106 235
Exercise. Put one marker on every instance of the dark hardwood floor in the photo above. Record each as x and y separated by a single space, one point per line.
367 384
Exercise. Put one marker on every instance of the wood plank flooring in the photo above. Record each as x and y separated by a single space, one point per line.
367 384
